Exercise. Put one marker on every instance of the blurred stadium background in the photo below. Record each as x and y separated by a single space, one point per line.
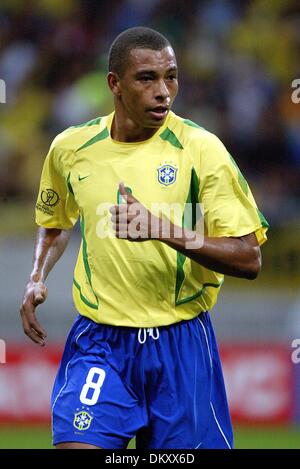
237 62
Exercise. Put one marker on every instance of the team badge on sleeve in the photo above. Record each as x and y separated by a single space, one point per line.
166 174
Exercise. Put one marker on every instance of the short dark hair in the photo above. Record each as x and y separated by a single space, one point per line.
133 38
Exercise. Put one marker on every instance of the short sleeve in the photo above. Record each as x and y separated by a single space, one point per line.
228 204
56 206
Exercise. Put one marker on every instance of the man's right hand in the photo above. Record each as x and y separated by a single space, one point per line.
35 294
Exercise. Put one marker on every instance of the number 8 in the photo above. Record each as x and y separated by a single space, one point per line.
90 384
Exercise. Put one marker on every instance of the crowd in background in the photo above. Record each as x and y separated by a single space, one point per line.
237 61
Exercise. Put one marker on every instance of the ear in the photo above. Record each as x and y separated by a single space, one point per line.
113 82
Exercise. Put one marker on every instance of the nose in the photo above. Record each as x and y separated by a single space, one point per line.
162 91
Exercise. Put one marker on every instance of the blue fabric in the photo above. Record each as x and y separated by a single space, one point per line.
168 391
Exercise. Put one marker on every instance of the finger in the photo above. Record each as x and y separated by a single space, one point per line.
122 234
123 193
32 333
35 338
116 209
127 196
113 209
123 219
36 327
117 228
121 216
122 190
30 321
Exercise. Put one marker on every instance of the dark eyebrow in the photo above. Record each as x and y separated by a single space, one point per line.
153 72
172 69
145 72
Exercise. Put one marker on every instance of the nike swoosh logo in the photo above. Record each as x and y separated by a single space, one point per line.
80 178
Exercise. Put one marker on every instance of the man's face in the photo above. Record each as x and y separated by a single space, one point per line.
149 86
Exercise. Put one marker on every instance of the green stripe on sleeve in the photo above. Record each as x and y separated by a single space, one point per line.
192 124
262 219
89 123
242 181
101 136
69 184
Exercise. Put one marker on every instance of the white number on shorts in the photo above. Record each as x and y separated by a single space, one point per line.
90 384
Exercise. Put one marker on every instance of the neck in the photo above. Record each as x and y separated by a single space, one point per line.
123 129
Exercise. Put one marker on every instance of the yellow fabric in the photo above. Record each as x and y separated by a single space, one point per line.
142 284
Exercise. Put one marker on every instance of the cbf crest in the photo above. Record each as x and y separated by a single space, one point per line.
82 420
166 174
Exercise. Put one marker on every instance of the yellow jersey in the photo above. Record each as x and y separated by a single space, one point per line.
143 284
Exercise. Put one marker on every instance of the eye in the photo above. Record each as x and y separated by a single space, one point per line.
146 78
172 77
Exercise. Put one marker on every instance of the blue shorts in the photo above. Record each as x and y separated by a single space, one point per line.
163 385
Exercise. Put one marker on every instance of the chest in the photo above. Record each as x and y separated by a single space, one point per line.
155 174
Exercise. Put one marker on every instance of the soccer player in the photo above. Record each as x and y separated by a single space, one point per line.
141 358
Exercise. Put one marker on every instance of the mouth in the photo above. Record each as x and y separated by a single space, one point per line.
159 112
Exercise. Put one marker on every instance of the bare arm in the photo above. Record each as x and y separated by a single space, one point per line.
49 246
238 257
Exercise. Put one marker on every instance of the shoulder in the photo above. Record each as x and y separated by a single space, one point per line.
205 147
190 133
72 138
62 152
